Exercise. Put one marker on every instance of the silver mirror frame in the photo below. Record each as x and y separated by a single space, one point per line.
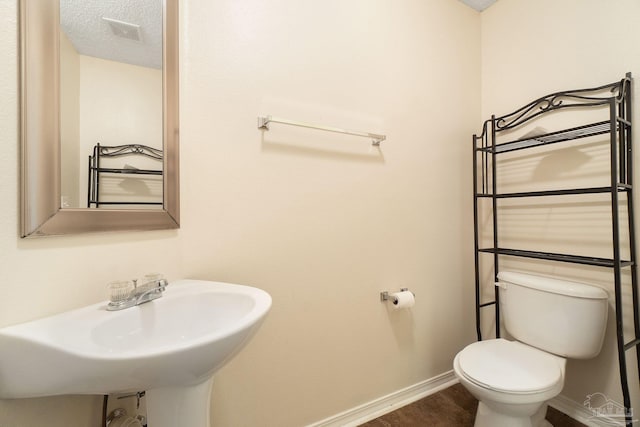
40 175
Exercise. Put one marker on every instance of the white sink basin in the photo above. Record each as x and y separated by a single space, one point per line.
175 342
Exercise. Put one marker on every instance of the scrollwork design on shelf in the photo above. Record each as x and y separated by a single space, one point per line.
123 150
591 97
556 101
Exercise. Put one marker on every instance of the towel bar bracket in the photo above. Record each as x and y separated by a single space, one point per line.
263 122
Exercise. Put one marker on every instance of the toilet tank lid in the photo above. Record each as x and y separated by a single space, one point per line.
556 286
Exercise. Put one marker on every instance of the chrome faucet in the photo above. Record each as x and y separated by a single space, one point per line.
153 292
129 294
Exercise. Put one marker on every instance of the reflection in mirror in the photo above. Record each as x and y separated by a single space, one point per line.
111 103
99 115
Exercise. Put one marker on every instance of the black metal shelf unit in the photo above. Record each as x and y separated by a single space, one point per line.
96 170
615 99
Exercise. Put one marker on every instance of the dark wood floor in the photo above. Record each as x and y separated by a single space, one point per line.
451 407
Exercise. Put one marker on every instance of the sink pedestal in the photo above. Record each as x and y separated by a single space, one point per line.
188 406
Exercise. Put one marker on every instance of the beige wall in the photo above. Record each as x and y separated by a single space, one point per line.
69 125
530 49
320 221
128 96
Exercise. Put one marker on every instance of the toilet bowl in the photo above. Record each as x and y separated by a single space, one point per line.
550 320
511 380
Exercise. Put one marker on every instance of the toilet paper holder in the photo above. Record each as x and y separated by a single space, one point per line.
384 296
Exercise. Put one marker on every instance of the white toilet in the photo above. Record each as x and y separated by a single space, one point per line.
552 320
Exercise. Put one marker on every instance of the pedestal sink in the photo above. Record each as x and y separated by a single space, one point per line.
170 347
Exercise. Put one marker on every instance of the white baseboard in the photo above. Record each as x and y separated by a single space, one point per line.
389 403
385 404
577 411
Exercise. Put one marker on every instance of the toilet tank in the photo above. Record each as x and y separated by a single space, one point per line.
558 316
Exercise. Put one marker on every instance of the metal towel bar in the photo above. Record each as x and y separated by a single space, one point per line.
263 123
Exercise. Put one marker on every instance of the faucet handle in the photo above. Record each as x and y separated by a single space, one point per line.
120 290
154 280
152 277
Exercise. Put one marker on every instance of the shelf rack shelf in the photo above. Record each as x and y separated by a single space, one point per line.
615 99
561 192
592 129
96 170
550 256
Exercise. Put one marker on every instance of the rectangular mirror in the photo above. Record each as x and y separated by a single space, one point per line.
99 116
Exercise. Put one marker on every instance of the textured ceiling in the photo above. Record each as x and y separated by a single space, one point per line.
83 23
479 5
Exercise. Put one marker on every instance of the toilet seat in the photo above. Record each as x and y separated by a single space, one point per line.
509 367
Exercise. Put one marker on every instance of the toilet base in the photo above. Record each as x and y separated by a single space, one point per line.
487 417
